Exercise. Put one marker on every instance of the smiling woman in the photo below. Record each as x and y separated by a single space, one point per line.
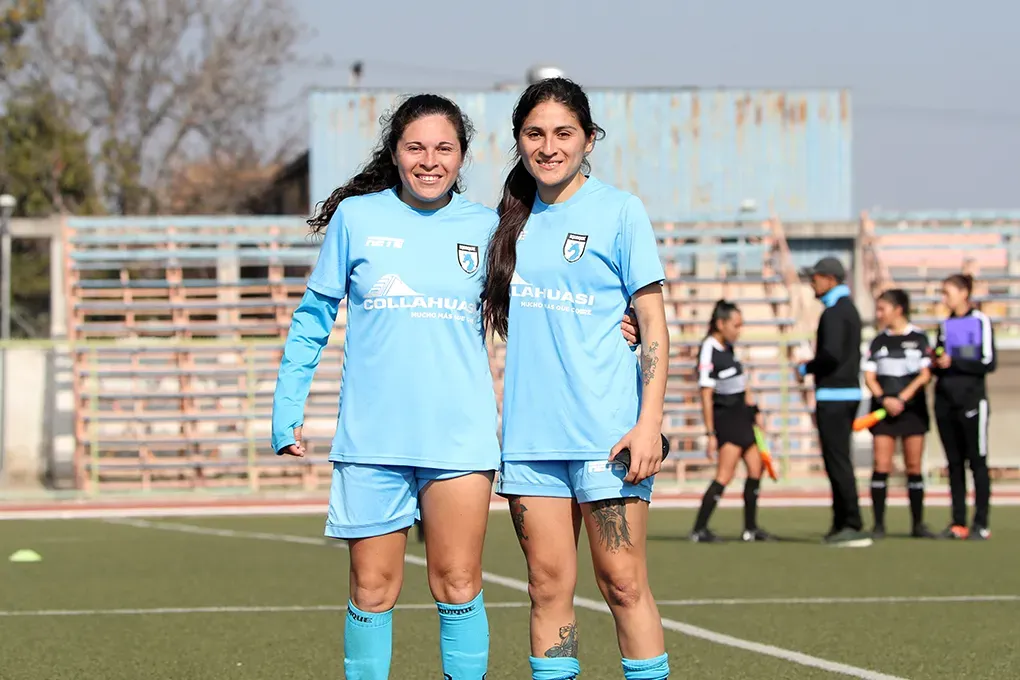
421 150
404 248
569 255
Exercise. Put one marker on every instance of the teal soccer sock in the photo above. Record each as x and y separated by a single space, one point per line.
647 669
464 639
368 644
559 668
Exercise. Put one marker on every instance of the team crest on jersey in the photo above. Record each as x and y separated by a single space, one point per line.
467 258
573 247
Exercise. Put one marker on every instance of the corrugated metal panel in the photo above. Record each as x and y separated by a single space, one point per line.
689 155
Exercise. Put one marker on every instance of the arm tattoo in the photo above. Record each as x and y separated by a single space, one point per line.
567 645
517 510
649 360
611 518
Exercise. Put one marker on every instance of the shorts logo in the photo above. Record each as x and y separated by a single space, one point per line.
573 247
467 258
597 466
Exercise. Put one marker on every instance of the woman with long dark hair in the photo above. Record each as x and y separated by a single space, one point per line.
570 254
730 416
896 370
965 354
416 433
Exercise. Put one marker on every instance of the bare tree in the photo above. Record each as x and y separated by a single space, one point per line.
163 84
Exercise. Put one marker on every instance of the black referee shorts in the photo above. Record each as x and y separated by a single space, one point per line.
734 425
913 421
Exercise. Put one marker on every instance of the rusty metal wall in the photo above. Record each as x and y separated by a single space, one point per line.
688 154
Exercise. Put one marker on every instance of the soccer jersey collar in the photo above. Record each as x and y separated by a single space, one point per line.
585 189
907 330
455 200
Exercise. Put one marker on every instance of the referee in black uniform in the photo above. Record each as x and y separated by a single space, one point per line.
730 416
896 371
836 369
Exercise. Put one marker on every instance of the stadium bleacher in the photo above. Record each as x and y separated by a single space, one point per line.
916 251
177 326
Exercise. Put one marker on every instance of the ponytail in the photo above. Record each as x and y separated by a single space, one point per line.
722 311
514 210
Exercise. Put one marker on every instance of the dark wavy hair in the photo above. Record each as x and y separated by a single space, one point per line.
519 195
380 172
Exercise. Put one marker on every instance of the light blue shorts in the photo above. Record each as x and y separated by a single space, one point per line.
586 480
373 500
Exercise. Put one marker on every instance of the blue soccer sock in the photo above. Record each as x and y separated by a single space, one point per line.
647 669
464 639
559 668
368 644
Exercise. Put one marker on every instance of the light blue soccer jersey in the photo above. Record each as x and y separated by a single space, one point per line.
416 387
573 386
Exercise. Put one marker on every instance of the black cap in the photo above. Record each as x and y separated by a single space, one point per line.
827 266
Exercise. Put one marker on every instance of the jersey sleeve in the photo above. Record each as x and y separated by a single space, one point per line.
705 367
329 277
309 332
869 365
637 253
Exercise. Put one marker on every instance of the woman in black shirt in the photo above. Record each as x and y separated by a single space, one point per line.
896 370
965 356
730 417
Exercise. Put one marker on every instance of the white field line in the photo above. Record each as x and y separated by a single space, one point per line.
582 602
839 600
268 609
319 508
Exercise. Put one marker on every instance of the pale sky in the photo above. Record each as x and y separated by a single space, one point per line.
935 84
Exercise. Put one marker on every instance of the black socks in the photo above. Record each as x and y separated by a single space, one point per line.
708 503
751 504
879 489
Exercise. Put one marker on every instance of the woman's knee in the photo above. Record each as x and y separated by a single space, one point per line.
375 589
912 464
623 587
455 583
977 463
550 583
752 460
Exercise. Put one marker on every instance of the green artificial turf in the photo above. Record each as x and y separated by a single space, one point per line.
99 565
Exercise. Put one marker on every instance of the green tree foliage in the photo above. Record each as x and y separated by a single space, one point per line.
15 18
45 165
46 161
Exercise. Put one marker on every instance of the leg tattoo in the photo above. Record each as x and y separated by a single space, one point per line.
568 643
517 510
611 518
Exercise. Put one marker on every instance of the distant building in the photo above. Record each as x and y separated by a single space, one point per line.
286 193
